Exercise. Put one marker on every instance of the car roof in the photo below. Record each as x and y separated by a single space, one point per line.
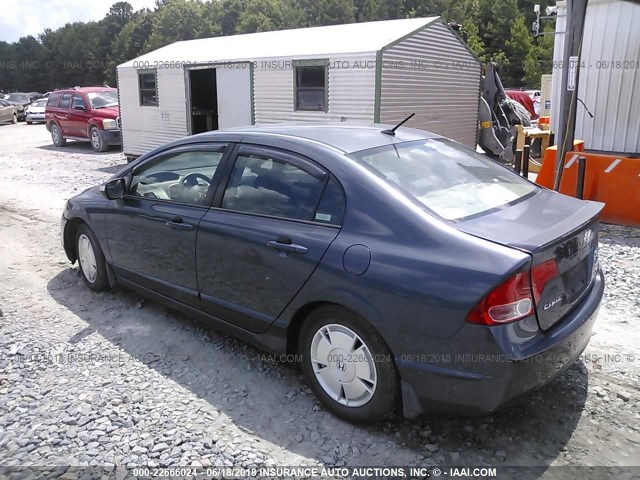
84 89
346 137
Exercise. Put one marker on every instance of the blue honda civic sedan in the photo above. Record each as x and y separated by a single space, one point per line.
404 269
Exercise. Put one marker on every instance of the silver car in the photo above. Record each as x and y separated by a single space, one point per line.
8 112
35 111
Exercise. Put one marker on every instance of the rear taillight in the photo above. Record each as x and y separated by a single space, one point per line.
541 274
508 302
513 299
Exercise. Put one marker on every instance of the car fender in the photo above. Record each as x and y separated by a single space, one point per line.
94 122
93 214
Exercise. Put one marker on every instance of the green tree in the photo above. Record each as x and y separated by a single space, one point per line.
539 58
176 20
260 16
517 48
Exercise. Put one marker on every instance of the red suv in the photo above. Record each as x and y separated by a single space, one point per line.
88 114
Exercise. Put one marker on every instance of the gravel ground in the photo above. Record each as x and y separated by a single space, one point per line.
112 379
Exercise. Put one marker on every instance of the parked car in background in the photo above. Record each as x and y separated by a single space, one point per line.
21 101
87 114
401 266
8 112
35 112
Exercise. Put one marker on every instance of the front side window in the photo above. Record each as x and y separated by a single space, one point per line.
183 177
450 179
148 89
270 186
311 85
78 102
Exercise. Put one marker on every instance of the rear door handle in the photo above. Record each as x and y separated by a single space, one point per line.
285 245
178 224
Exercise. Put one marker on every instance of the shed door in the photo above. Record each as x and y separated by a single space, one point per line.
234 95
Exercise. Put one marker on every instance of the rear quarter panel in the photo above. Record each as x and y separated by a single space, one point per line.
424 275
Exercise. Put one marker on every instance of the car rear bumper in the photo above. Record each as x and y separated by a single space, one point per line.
482 369
112 137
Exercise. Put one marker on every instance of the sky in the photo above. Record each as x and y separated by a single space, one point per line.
30 17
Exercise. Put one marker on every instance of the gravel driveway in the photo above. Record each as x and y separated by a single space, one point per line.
113 379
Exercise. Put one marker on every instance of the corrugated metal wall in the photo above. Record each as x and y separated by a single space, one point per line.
558 48
610 81
145 128
351 90
432 74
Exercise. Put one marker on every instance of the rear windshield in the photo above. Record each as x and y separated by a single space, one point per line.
40 103
18 97
450 179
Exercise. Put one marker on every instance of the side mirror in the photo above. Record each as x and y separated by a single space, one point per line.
79 107
114 189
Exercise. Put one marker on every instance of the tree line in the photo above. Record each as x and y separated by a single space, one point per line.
87 53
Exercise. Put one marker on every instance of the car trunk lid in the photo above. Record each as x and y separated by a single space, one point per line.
551 227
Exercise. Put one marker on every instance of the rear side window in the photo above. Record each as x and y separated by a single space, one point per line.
65 101
332 204
270 186
449 179
54 98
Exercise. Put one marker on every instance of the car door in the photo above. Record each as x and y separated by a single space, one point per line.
6 111
62 114
151 232
264 235
78 120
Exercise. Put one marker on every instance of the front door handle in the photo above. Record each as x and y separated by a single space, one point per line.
178 224
286 245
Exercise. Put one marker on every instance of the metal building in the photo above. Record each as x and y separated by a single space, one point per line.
375 71
609 76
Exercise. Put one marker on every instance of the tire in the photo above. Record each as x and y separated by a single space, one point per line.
366 367
91 259
97 142
56 136
14 119
29 123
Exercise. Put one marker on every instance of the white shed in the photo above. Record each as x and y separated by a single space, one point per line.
376 71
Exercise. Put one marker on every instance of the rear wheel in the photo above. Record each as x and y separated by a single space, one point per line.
56 136
91 259
29 123
348 366
97 142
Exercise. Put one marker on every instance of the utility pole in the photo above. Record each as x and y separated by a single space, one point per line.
574 28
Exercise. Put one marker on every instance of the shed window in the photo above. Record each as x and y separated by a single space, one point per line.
311 85
148 89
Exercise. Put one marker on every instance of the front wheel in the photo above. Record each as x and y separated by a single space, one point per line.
348 365
91 259
14 119
97 142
